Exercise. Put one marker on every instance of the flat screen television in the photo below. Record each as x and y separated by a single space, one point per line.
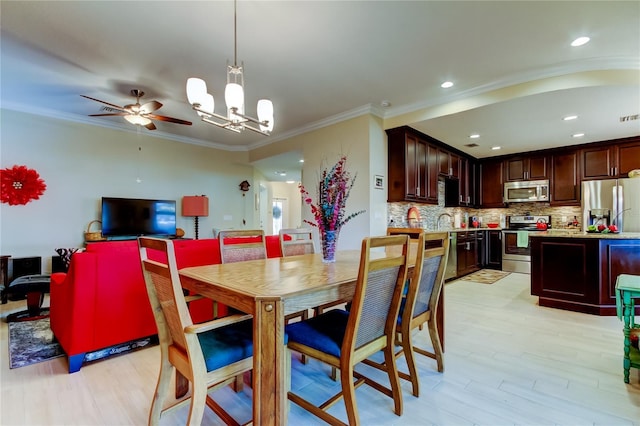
132 217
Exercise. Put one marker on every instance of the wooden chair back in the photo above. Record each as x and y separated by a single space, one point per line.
424 291
303 241
165 293
241 245
376 301
180 347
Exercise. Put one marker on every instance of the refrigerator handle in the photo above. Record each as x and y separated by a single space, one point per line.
616 203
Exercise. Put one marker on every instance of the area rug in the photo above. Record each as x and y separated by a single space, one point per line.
31 342
485 276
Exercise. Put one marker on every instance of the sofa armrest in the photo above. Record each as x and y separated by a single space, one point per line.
73 302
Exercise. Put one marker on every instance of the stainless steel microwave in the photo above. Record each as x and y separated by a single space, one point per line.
526 191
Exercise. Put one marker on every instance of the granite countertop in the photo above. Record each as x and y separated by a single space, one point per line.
562 233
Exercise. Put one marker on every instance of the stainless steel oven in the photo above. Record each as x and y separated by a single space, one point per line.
516 250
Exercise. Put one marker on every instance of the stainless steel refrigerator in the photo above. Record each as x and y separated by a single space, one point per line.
612 201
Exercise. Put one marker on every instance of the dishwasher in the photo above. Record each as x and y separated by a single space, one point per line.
452 263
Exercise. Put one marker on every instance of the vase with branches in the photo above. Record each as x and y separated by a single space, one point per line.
334 187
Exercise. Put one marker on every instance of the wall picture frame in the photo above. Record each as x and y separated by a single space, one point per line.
378 181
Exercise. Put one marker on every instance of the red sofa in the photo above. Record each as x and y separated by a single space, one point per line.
102 301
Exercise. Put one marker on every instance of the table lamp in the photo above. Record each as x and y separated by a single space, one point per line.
196 206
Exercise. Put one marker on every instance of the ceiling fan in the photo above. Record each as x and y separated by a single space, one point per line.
136 113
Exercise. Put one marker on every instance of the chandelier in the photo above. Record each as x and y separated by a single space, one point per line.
235 120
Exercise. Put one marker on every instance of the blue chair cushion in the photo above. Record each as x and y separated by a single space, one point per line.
324 332
226 345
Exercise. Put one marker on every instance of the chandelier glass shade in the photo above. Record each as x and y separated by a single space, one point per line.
236 120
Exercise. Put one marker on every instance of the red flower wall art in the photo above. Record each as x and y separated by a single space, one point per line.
20 185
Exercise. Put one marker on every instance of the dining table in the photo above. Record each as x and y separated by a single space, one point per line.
270 289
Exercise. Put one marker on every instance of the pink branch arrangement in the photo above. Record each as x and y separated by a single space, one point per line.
333 190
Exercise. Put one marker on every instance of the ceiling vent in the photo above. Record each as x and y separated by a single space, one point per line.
629 118
471 145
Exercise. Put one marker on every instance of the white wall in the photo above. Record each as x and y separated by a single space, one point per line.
81 163
322 148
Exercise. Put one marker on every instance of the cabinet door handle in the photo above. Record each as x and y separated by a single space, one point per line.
461 198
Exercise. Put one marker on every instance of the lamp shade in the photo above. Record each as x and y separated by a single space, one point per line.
234 96
265 112
196 90
195 205
207 105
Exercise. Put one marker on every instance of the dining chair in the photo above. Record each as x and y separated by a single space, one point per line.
420 304
343 338
209 355
297 241
294 242
238 245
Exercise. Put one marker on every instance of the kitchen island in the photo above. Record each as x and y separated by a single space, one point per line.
577 271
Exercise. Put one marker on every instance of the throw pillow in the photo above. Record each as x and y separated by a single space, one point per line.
65 255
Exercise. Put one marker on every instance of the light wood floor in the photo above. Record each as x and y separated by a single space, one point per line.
507 362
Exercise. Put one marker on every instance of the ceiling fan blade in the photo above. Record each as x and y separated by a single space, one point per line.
150 107
119 108
150 126
169 119
121 114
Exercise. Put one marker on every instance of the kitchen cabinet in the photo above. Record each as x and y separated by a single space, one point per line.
467 182
565 179
535 167
610 161
579 274
494 250
448 164
467 252
491 184
412 174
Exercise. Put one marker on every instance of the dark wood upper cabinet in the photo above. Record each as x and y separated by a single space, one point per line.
526 168
448 164
610 161
491 184
565 179
628 157
412 175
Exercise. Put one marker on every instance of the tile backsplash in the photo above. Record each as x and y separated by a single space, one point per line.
397 212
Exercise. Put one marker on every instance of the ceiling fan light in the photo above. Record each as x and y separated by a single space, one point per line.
137 119
265 112
196 90
234 96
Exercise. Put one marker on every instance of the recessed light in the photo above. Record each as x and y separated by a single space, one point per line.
302 160
495 148
385 104
474 136
580 41
281 173
577 135
290 181
570 117
446 84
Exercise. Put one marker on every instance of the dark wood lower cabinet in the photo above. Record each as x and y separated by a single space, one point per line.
467 252
579 274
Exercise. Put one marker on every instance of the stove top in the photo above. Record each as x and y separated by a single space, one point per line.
527 222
